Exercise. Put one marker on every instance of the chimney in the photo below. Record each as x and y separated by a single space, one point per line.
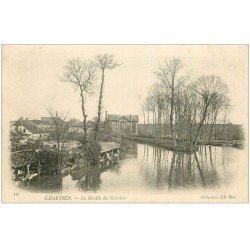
130 117
106 116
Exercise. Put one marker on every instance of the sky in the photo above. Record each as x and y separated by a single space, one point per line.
31 77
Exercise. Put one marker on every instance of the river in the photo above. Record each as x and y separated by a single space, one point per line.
145 168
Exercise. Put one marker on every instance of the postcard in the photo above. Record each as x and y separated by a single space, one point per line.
125 123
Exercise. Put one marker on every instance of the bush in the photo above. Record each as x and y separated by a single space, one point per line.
83 141
49 161
92 151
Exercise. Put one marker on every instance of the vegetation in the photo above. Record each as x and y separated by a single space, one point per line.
182 110
49 161
165 143
19 142
82 75
103 62
184 104
91 152
59 132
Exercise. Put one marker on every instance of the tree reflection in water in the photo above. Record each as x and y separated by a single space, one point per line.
185 172
161 168
46 184
143 167
129 149
89 178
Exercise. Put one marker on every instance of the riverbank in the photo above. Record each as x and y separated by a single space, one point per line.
184 146
239 144
164 143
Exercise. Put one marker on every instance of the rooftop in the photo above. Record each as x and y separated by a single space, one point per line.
29 125
76 124
131 118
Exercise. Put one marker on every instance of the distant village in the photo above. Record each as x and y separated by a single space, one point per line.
119 125
35 129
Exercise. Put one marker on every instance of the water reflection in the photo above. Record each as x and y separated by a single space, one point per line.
185 171
46 184
88 179
164 169
143 167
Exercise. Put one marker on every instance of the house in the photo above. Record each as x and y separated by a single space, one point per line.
76 127
35 128
43 125
123 124
48 123
40 128
50 120
28 128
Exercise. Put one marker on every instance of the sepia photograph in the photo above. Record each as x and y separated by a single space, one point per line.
125 123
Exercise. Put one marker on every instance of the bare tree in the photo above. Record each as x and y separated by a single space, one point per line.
192 107
148 108
216 108
159 98
103 62
152 108
227 109
59 131
170 75
83 75
143 110
209 88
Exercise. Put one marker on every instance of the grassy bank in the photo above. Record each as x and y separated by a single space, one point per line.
183 146
223 143
164 143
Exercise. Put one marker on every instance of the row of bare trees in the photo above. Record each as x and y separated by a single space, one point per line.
185 104
83 74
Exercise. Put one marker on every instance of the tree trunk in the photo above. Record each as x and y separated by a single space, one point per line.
223 129
153 123
99 108
177 124
164 125
84 117
210 132
201 124
159 124
205 128
171 119
59 156
155 128
211 129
